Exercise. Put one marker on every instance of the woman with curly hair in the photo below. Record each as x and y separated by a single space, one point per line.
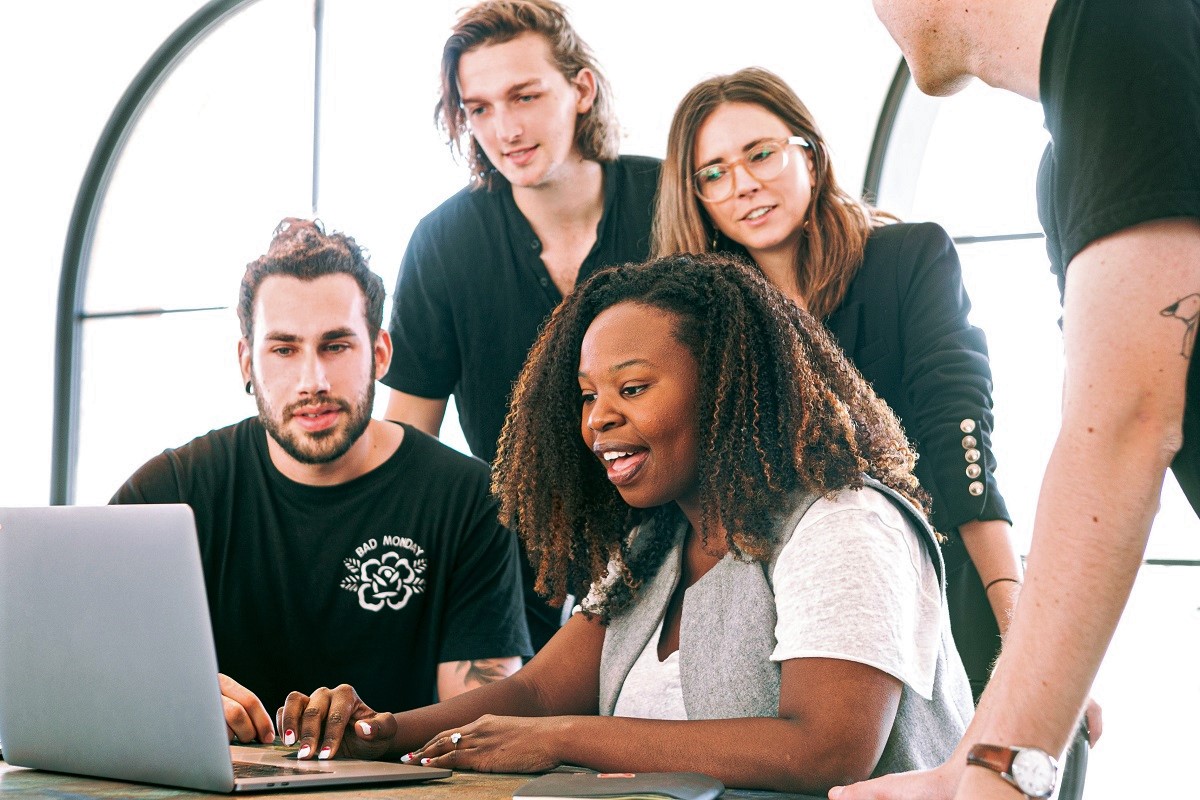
747 172
767 602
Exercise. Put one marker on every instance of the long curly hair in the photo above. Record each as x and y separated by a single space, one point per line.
837 224
780 411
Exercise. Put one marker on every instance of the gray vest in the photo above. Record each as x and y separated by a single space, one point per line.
727 635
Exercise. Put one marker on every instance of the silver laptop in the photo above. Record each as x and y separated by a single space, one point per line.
107 663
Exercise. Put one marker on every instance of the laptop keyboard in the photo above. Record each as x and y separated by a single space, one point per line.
248 769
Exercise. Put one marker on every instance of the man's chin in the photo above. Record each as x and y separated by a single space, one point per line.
939 84
313 457
322 447
526 177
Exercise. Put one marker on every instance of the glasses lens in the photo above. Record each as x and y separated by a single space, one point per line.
713 182
767 160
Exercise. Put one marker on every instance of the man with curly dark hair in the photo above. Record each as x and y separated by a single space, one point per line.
768 601
335 546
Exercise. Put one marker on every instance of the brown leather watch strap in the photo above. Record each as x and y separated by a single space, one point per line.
993 756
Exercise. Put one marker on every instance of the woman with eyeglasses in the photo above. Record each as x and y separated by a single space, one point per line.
748 172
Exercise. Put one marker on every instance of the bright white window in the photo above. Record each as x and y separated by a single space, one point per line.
228 147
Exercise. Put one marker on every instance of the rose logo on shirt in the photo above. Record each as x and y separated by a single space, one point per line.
386 578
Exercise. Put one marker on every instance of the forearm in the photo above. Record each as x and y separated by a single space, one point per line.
424 413
1098 499
1123 403
512 696
456 677
753 753
989 544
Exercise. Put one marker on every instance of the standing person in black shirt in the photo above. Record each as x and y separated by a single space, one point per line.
336 548
1119 197
549 203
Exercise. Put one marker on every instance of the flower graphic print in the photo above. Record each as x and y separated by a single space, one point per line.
386 580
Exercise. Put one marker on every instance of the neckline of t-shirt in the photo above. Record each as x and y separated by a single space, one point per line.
394 461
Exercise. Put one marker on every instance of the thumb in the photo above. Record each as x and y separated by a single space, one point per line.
375 727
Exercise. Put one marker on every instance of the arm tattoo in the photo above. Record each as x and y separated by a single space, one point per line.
1186 310
480 671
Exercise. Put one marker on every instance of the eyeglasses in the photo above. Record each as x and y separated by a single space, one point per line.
766 161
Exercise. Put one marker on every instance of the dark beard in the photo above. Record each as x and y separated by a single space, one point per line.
324 446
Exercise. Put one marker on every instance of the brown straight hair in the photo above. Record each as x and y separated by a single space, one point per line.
500 21
836 225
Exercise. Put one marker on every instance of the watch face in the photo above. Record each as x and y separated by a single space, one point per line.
1034 772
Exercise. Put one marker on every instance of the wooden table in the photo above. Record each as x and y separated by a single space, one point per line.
18 783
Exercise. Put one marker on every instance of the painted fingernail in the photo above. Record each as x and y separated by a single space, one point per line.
365 727
304 751
425 762
407 757
325 753
289 738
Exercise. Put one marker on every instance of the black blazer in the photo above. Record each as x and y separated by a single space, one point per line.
904 324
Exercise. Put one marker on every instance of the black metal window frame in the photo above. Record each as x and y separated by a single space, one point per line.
81 230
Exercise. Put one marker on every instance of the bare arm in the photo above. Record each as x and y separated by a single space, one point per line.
989 544
456 677
424 413
834 719
1123 404
563 678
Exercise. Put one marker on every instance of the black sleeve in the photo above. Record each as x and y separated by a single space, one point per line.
1121 90
485 617
425 356
947 380
156 481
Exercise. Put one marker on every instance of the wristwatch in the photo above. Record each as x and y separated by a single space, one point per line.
1034 772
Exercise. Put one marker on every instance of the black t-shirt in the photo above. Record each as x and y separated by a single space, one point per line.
372 582
473 293
1120 86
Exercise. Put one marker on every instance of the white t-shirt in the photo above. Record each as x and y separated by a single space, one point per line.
653 689
854 582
